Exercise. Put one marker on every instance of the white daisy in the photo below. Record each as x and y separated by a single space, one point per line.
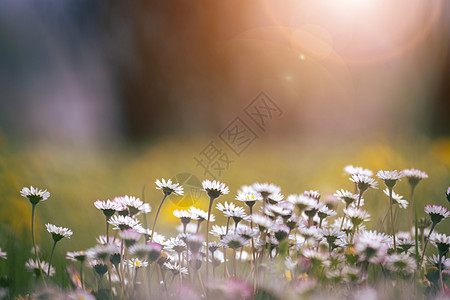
234 241
132 204
401 264
390 177
124 222
364 182
215 188
32 266
351 170
168 187
263 222
108 207
356 215
151 250
324 212
201 215
219 231
185 216
414 176
302 202
3 255
249 197
441 241
371 248
437 213
136 263
312 194
58 232
266 189
346 196
175 268
129 236
396 198
175 244
34 195
76 256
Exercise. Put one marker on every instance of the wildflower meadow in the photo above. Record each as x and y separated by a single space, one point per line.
271 245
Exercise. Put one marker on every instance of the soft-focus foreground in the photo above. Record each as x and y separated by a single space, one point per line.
257 242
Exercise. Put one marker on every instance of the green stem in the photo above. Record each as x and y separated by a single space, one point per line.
82 275
426 244
392 219
440 271
33 208
51 258
156 217
207 237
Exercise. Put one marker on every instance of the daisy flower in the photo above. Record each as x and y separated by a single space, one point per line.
34 195
124 222
351 170
101 252
175 268
168 187
132 204
58 232
219 231
448 194
280 231
230 208
175 244
234 241
312 194
324 212
331 235
370 248
396 198
266 189
346 197
215 188
302 202
76 256
437 213
434 261
130 237
442 242
263 222
249 197
401 264
99 267
185 216
136 263
3 255
102 240
356 215
149 250
414 176
108 207
195 242
363 182
32 266
390 177
200 215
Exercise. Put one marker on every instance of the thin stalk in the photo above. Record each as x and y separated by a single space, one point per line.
82 274
180 264
392 219
156 217
440 271
234 263
51 258
359 198
33 208
426 243
107 231
411 202
225 252
207 237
